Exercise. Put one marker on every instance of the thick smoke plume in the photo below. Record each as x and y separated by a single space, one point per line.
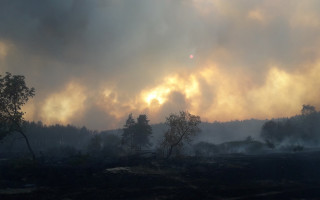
94 62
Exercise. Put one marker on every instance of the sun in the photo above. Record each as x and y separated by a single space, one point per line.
153 97
158 94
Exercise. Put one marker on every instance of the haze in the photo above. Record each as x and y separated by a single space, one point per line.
94 62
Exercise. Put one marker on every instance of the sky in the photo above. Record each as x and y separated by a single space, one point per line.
93 62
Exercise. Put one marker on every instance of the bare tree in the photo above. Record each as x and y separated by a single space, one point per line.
13 95
182 127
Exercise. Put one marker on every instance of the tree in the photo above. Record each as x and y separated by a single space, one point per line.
308 109
182 127
136 134
309 123
270 133
13 95
129 132
142 132
269 129
111 145
95 145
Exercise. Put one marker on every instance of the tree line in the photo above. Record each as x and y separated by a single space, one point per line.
300 130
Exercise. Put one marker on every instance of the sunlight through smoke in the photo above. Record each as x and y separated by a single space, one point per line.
63 106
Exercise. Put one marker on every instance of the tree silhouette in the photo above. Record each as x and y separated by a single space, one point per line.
95 145
136 134
143 131
129 132
308 109
182 127
270 131
13 95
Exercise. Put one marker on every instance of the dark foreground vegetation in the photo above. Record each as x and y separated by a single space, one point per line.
229 176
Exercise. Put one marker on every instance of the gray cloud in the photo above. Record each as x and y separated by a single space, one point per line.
131 45
176 102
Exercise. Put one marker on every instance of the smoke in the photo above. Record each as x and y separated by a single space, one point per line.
251 59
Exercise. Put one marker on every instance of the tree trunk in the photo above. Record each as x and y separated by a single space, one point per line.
28 144
170 152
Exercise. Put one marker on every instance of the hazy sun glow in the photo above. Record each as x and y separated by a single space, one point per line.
158 95
3 50
60 107
187 86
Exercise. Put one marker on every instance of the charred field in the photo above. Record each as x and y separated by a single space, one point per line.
230 176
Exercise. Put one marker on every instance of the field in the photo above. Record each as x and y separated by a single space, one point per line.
233 176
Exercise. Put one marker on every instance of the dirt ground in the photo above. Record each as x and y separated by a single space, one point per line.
270 176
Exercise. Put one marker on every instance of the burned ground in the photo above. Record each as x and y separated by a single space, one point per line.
232 176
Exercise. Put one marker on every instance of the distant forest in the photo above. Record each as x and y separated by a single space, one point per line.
249 136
